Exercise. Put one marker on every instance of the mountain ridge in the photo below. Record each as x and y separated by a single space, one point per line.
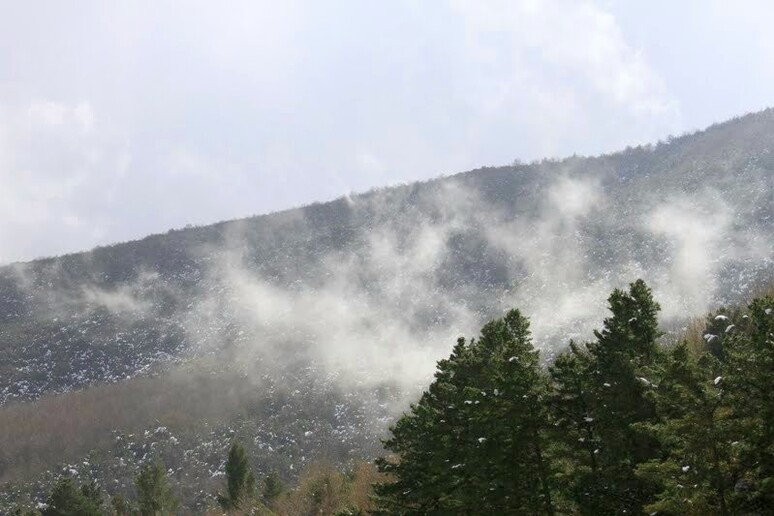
646 147
455 250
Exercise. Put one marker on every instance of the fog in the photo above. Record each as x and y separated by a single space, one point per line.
382 312
373 289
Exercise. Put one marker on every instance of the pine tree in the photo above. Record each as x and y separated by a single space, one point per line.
718 326
92 493
423 441
515 418
154 495
272 488
619 362
750 385
121 506
66 499
696 471
476 440
571 402
240 482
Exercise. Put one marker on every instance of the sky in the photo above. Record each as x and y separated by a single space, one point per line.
121 120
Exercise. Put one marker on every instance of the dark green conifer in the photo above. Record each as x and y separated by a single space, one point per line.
749 382
121 506
154 494
66 499
240 482
696 469
571 406
476 440
272 488
619 364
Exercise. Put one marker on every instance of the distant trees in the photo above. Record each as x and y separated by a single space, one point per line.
121 506
67 499
240 482
154 494
321 489
154 497
272 488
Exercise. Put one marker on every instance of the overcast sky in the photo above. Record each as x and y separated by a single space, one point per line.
117 121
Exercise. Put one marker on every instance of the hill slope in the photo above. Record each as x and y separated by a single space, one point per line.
368 291
395 266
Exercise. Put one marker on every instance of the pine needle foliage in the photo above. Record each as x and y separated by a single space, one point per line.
240 481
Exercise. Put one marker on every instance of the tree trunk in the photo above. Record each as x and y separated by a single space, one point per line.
542 473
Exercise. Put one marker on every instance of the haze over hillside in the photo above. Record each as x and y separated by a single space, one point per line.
379 284
369 291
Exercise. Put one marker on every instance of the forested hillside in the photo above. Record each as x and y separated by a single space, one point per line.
304 333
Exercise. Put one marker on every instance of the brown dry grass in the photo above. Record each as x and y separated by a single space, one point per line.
322 490
61 428
693 335
325 490
766 290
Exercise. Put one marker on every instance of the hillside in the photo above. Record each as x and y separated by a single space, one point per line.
327 318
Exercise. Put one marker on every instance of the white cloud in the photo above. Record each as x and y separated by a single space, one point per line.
205 113
744 29
54 170
697 229
565 65
47 113
572 197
